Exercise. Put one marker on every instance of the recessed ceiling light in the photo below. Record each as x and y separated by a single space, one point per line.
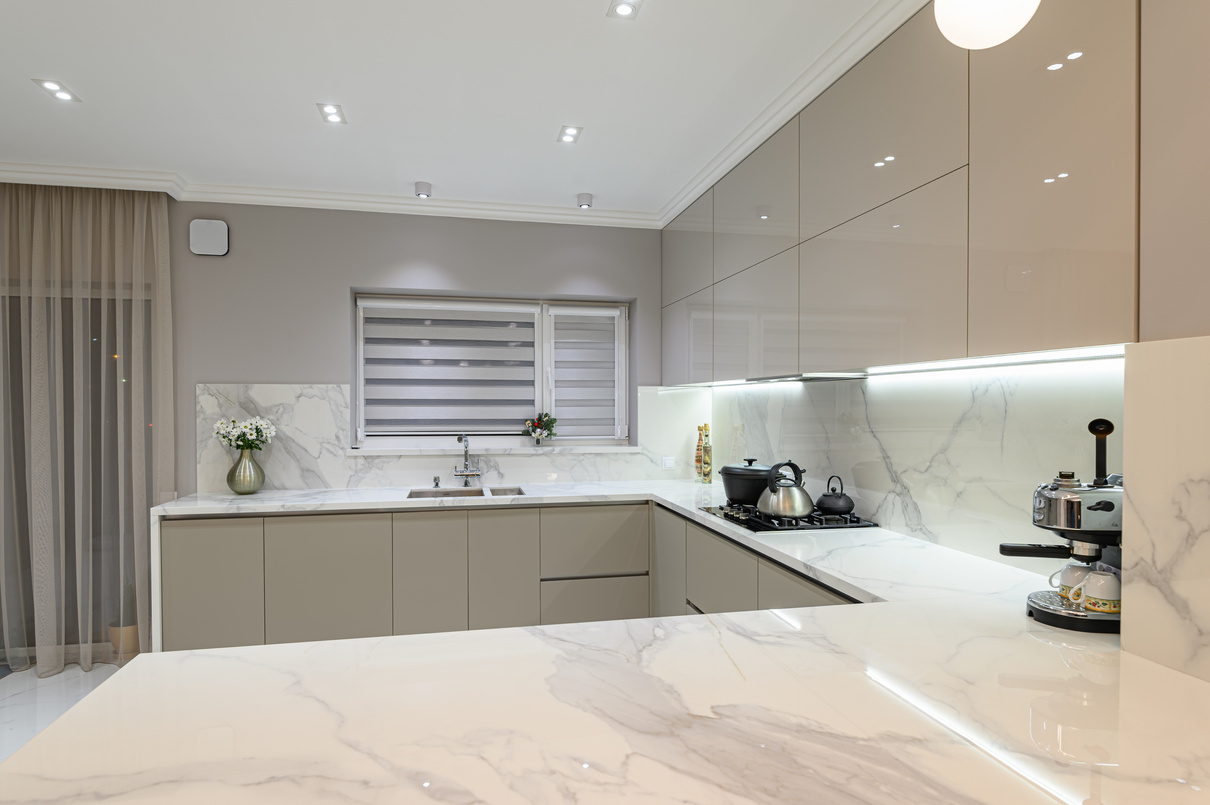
584 200
331 113
56 89
1075 55
1055 66
624 9
1063 175
569 134
424 189
879 164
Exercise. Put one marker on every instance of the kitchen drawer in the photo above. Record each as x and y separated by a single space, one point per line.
720 576
580 541
605 599
778 588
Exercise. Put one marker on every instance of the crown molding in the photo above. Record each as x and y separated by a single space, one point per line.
882 20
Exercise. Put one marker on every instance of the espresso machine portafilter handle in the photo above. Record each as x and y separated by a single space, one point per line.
1044 551
1100 428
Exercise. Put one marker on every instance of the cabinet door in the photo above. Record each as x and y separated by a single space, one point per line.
688 334
667 564
503 573
1052 182
720 576
687 244
778 588
756 321
580 541
430 561
327 577
890 286
1174 191
756 205
213 581
585 600
908 100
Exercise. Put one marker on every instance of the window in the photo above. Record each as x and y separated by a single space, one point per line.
439 367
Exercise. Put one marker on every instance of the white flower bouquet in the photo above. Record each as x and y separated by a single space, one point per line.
251 434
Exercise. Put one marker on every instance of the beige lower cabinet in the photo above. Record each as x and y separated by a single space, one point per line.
327 577
503 568
430 562
602 599
720 576
595 540
667 563
778 588
213 581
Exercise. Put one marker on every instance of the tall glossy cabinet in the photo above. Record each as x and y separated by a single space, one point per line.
756 320
688 306
688 337
1053 181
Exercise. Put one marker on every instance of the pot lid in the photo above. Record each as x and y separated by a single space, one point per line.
749 469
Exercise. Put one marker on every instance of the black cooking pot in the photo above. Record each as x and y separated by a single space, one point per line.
744 482
834 502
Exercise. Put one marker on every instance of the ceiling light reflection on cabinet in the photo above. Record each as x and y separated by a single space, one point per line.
763 212
624 9
331 113
879 164
55 89
569 134
1075 55
1055 66
1064 175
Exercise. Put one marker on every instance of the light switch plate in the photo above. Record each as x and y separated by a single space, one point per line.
669 463
208 237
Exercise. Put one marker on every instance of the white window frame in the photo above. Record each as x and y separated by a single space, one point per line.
544 312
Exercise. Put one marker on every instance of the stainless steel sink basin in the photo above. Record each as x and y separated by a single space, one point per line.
505 491
453 492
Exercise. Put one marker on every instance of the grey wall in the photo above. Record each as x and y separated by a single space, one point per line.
277 308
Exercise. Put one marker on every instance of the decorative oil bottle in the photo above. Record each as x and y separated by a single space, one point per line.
706 454
697 454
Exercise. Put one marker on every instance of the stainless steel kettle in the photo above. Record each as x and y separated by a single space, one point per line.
785 497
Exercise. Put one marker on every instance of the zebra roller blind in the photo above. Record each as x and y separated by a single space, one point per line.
587 377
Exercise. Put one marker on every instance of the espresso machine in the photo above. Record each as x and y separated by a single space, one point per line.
1089 518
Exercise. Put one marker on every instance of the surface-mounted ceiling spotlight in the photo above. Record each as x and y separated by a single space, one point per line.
979 24
624 9
569 134
331 113
56 89
584 200
423 190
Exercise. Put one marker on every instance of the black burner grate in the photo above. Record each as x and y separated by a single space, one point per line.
753 519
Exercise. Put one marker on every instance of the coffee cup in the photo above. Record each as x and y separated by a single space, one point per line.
1067 578
1099 592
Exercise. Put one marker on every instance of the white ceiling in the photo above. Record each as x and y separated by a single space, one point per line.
216 101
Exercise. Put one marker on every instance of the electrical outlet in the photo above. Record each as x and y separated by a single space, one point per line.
669 463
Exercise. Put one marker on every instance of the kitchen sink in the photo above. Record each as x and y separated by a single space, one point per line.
453 492
505 491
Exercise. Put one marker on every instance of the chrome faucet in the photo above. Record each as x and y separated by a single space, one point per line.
466 473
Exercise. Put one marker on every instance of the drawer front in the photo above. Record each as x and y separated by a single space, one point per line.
720 576
584 600
580 541
781 589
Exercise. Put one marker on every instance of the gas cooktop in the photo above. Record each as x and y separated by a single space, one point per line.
754 520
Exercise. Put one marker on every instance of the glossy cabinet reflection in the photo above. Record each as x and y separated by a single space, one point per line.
756 205
1052 181
904 105
890 286
688 332
1175 186
687 245
756 320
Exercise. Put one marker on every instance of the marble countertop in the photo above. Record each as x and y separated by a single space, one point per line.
866 564
947 700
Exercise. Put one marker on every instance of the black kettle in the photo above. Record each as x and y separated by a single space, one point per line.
834 502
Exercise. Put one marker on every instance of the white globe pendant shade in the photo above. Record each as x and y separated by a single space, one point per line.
979 24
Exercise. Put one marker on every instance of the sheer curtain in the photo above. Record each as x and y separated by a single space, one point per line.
86 425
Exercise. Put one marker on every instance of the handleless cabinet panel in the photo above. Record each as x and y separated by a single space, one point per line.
778 588
890 286
687 245
213 581
688 331
503 574
756 320
430 561
586 600
595 540
667 563
327 577
1052 182
908 100
765 184
720 576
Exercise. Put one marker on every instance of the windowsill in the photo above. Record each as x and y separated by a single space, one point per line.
554 449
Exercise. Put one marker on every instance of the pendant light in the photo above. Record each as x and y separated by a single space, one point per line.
979 24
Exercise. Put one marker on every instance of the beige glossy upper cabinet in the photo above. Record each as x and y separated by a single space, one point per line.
756 320
890 286
1052 181
688 250
756 205
1175 191
906 100
688 332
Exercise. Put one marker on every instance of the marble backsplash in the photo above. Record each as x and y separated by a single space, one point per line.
951 457
1166 522
311 447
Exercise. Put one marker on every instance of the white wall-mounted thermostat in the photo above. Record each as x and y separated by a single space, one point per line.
207 237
